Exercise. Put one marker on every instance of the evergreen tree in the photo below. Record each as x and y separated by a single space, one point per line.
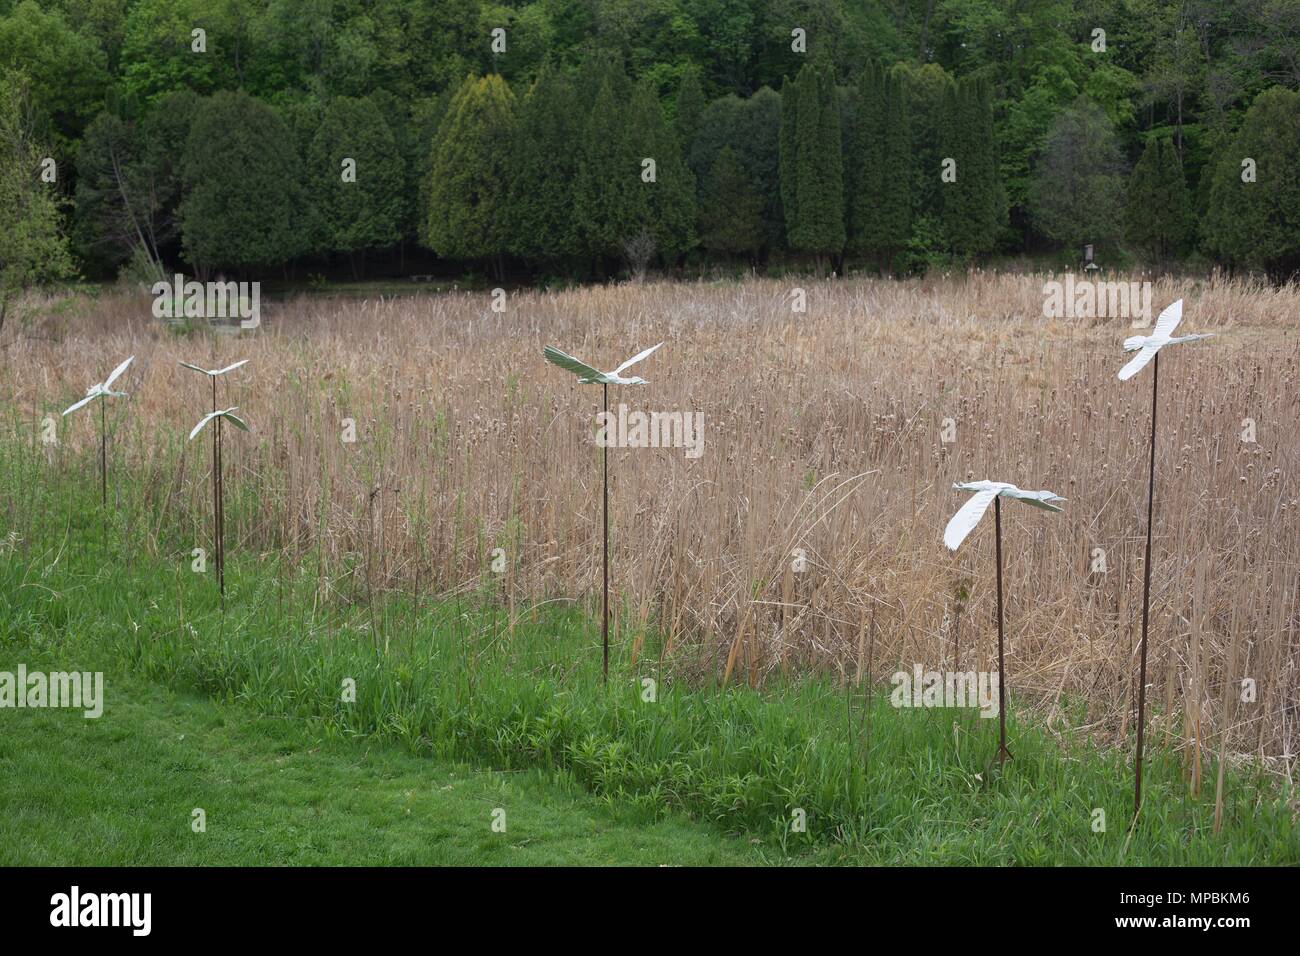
242 176
608 201
815 222
111 211
893 224
787 145
759 152
875 184
164 132
927 92
882 198
752 129
419 141
413 150
880 204
667 204
359 207
545 164
974 206
468 209
128 184
1255 221
689 109
731 214
846 100
1159 216
865 164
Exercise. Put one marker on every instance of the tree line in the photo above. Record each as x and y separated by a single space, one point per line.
307 138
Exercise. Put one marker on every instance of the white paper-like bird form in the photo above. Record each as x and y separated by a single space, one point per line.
593 376
219 415
223 413
102 389
1147 346
215 372
969 515
962 523
590 376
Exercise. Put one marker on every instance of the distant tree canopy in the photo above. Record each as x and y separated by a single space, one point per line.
243 182
32 250
812 164
535 137
357 178
469 176
1159 216
1254 207
1076 194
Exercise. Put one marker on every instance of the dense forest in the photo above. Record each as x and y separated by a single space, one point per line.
577 139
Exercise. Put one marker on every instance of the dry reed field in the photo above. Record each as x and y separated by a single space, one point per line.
822 432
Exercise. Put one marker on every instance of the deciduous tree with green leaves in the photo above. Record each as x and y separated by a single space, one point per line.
33 249
65 70
1076 193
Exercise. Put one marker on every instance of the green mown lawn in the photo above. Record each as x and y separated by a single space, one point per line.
121 791
333 731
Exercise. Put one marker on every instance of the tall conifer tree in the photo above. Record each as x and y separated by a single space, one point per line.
1158 219
608 200
666 205
973 205
812 166
544 166
880 206
468 188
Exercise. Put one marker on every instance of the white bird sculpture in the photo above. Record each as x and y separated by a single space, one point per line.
102 389
960 525
218 487
591 376
225 413
1147 346
969 514
218 491
215 372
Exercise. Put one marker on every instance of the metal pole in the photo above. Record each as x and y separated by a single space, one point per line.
216 497
1003 753
604 592
1146 598
103 455
220 523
